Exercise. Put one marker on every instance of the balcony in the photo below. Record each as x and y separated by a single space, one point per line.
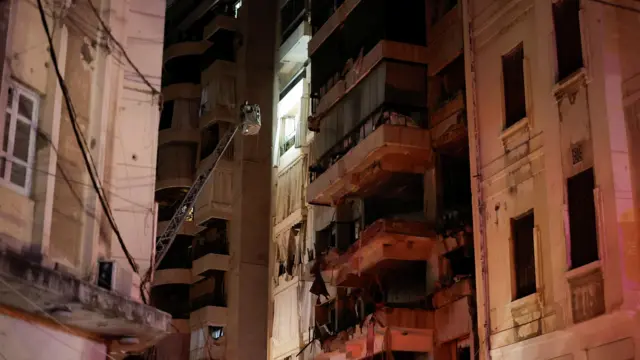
218 99
222 22
175 165
381 72
327 19
208 302
449 125
407 330
370 163
180 63
395 329
210 251
293 51
385 244
178 122
31 282
216 198
445 41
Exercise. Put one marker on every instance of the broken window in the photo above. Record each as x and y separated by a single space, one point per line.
566 22
166 116
582 218
513 80
524 257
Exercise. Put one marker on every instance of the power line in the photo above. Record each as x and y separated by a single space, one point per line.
106 29
80 138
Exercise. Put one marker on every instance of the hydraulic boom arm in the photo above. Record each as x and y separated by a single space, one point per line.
250 125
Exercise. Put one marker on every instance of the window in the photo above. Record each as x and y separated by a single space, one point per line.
288 133
18 139
566 23
513 77
582 219
166 116
524 258
204 100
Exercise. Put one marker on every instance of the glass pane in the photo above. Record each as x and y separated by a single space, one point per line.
25 107
10 97
3 166
19 174
7 127
21 141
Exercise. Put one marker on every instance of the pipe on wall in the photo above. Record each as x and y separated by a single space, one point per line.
476 175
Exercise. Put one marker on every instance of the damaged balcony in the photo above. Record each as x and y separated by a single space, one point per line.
406 330
374 154
34 286
384 245
343 334
370 125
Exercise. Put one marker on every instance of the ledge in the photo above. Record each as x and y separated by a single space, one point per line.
92 309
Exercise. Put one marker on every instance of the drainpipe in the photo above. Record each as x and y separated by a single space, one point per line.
476 176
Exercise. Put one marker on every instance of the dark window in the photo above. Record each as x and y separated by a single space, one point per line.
524 257
513 76
463 353
566 22
166 117
209 140
582 219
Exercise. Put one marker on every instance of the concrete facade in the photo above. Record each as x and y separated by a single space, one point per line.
218 54
50 212
578 118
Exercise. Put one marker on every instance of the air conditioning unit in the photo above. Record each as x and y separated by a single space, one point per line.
113 277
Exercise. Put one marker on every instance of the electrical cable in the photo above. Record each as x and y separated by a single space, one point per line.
79 139
106 29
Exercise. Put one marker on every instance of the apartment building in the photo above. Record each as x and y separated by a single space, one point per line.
217 55
67 290
552 98
383 263
291 307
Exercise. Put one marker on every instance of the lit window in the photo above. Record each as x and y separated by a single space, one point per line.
288 133
18 139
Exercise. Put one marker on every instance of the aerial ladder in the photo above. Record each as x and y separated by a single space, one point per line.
249 125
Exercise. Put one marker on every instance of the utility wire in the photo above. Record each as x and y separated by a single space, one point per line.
106 29
81 143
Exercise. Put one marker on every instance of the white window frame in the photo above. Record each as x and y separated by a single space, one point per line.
12 111
283 137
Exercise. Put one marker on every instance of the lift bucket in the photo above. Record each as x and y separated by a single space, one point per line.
250 119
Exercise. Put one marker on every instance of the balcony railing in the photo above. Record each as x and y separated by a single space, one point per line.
353 137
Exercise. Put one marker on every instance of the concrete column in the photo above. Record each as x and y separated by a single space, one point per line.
251 225
617 230
44 180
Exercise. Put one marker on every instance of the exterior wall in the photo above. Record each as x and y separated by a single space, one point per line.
55 213
527 166
19 336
